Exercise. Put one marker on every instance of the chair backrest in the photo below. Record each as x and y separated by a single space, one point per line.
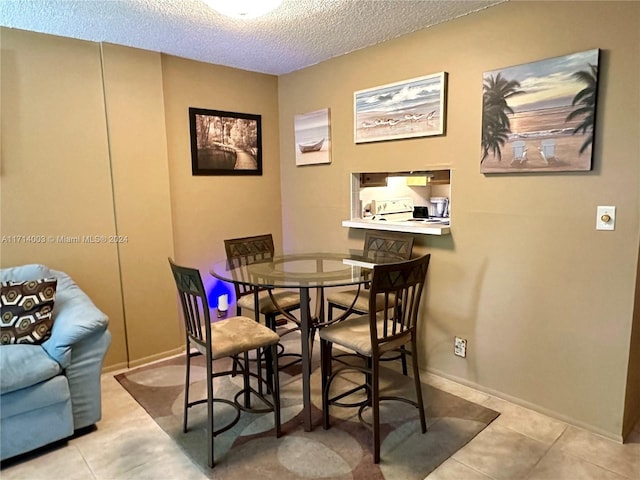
248 250
195 308
518 149
396 245
549 148
401 285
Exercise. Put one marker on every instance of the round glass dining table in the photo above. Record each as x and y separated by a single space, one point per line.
303 271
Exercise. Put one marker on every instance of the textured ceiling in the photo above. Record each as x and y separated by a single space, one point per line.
297 34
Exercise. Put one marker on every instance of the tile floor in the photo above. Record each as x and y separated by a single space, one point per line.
519 445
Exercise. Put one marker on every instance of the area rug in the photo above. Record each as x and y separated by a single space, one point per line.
251 450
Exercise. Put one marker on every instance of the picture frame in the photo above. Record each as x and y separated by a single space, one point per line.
406 109
225 143
313 137
540 116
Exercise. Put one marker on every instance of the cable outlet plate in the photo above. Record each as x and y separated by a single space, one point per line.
606 218
460 347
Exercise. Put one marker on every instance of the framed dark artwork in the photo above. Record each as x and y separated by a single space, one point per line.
407 109
225 143
540 116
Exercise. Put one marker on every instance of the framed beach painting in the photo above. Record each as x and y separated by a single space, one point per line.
313 137
225 143
540 116
406 109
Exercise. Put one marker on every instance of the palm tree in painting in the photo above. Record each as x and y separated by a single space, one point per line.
495 113
585 101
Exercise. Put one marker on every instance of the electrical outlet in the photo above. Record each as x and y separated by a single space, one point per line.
460 347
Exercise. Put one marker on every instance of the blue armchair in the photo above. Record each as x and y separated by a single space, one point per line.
48 391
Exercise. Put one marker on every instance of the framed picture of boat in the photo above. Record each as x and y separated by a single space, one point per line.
406 109
225 143
313 137
540 116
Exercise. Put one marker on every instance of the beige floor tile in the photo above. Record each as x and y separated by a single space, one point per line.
454 470
166 467
623 459
559 466
137 447
501 453
128 444
525 421
131 451
62 463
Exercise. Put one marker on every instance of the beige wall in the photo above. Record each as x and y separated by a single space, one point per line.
632 400
208 209
138 148
90 136
544 300
56 178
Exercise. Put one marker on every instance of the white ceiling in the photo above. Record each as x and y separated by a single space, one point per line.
298 34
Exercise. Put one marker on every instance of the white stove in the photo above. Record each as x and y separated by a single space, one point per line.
392 209
400 210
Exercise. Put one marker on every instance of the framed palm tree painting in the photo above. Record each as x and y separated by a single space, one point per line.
540 116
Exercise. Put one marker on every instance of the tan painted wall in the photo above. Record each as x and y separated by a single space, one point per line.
56 179
632 400
67 132
544 300
138 146
208 209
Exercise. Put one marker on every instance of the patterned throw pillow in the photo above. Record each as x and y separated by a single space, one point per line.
26 311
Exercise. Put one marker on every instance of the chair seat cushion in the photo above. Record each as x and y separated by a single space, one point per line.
25 365
354 334
344 299
286 301
238 334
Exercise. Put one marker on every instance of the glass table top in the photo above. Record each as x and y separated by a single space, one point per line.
298 270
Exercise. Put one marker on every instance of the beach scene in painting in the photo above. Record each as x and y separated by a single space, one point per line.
412 108
313 138
540 116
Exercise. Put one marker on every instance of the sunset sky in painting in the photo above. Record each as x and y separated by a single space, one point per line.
547 83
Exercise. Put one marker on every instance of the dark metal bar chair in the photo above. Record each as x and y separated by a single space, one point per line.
356 300
271 302
232 337
399 287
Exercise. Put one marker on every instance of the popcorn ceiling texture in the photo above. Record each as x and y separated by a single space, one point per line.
298 34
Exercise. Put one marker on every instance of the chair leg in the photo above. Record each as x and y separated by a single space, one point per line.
403 359
210 411
325 373
418 386
375 407
269 363
270 321
275 390
236 364
186 389
246 378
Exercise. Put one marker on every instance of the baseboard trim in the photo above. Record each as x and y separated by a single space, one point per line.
156 358
531 406
115 367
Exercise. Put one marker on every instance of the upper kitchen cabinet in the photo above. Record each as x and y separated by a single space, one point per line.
412 201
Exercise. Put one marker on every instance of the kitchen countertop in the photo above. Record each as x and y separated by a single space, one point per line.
424 226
